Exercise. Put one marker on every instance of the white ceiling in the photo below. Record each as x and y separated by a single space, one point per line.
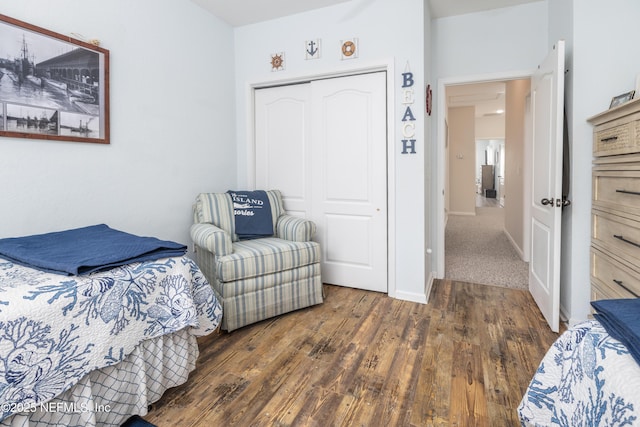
243 12
442 8
488 98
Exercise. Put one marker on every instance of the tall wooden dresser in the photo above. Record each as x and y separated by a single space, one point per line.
615 217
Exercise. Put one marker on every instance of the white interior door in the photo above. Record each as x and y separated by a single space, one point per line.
283 130
547 98
324 145
350 179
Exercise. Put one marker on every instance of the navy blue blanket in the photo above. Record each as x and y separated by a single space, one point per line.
85 250
252 213
621 319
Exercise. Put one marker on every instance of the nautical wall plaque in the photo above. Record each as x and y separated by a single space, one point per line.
349 49
312 49
277 61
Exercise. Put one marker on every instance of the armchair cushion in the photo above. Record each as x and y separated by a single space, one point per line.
259 257
212 238
216 209
260 284
295 228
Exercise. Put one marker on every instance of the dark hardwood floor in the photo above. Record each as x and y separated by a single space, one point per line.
364 359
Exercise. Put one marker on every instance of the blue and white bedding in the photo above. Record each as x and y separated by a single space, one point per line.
587 378
56 329
107 397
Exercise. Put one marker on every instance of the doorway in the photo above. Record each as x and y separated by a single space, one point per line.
490 168
493 210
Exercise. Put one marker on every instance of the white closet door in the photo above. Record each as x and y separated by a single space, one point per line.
349 183
282 121
324 145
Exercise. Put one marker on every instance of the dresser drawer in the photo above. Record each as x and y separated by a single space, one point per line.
617 190
600 291
617 139
613 276
617 235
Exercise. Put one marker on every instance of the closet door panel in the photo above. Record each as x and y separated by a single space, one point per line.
282 126
349 146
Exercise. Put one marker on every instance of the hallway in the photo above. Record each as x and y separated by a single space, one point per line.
477 250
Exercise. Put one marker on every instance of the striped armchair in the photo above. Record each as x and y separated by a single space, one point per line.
260 278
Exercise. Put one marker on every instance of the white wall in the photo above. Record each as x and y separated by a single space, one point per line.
172 109
514 173
512 38
490 127
429 176
388 31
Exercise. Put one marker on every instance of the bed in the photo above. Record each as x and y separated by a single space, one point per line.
587 378
96 348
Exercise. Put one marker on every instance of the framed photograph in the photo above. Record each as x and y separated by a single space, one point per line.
621 99
52 86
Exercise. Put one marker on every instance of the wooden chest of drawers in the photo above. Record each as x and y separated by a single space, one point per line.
615 225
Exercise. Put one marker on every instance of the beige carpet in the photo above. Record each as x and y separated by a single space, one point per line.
477 250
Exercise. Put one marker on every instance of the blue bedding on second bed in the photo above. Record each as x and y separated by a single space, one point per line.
621 319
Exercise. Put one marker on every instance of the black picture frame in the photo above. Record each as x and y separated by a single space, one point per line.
52 87
621 99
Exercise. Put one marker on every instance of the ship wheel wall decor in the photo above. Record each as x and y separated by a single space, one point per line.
277 61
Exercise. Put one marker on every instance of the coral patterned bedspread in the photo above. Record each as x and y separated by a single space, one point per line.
587 378
55 329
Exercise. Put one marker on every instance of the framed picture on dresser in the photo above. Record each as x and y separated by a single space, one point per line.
621 99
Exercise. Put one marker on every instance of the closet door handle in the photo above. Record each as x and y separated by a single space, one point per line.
546 201
626 240
620 283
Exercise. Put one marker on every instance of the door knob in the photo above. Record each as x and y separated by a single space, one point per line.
546 202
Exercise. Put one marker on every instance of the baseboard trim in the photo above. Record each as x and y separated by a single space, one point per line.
514 244
412 297
463 213
565 318
428 286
